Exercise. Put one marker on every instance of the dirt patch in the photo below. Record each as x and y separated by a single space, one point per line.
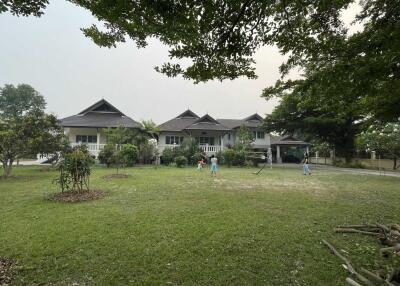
76 197
7 271
117 176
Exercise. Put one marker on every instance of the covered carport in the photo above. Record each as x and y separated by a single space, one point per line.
288 149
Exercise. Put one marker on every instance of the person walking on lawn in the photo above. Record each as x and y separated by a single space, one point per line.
214 165
306 168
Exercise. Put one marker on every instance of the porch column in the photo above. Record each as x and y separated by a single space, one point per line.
222 142
278 154
307 150
98 140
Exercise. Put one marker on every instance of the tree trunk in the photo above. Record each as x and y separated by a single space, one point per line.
7 168
394 163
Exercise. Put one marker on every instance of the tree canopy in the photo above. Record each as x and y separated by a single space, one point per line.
25 129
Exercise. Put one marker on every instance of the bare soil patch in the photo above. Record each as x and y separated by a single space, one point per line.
7 271
117 176
76 197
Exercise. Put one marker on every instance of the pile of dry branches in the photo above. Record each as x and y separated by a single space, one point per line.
389 236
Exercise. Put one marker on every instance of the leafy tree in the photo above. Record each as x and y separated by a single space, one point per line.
118 136
23 7
384 139
329 114
323 149
25 129
150 128
245 139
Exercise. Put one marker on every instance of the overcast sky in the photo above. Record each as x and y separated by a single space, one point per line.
71 72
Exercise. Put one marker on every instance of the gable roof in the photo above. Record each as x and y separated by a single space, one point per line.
252 121
102 114
101 106
189 120
207 123
287 140
188 114
180 122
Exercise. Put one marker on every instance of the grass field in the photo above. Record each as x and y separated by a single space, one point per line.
172 226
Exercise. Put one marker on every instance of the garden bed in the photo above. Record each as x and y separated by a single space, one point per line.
75 197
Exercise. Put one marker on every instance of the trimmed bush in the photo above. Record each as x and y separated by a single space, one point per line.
196 157
181 161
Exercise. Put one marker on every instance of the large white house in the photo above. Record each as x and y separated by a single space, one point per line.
213 135
88 126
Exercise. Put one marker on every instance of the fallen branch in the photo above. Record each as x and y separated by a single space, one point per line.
350 267
353 230
352 282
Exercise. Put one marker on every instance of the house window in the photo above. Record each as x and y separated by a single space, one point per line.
260 135
205 140
86 139
171 140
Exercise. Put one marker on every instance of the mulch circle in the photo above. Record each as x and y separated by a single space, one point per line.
117 176
75 197
7 270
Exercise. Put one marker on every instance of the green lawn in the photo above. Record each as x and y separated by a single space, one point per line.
172 226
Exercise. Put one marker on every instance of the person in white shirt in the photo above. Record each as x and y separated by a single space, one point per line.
214 165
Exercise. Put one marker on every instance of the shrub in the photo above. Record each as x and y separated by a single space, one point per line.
129 154
75 170
240 158
168 156
181 161
197 157
229 157
107 155
189 148
220 157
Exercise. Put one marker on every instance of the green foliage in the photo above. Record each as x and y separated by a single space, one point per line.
107 155
229 157
129 154
383 139
323 148
235 157
118 136
150 128
181 161
307 107
168 156
220 157
190 149
25 130
240 158
23 7
196 157
245 139
148 151
75 170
